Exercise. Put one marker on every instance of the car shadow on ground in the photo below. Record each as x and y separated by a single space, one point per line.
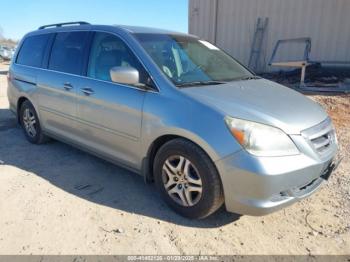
91 178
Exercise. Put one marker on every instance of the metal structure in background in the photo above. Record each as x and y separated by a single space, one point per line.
258 40
298 63
304 62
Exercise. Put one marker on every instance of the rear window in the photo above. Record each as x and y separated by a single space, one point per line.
33 50
68 52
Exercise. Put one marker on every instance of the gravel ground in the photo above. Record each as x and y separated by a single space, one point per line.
58 200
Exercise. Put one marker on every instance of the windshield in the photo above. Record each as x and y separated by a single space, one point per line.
187 60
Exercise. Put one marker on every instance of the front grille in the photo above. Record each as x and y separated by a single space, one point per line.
321 137
323 142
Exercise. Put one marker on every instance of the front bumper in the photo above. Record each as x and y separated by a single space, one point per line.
261 185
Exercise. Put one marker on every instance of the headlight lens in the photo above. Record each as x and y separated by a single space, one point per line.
261 140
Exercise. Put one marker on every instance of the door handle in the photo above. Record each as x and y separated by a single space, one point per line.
87 91
67 86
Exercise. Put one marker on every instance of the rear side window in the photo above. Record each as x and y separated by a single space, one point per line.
67 53
33 50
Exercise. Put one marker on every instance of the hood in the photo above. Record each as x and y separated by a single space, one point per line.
261 101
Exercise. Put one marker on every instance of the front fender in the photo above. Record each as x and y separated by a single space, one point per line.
180 115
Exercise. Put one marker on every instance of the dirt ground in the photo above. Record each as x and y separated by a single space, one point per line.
58 200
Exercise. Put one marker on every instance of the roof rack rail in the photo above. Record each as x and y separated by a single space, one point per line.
63 24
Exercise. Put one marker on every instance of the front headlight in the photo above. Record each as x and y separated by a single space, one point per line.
261 140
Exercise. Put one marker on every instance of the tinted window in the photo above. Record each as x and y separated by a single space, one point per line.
68 52
33 50
109 51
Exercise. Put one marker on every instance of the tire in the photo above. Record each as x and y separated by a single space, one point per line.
198 192
33 133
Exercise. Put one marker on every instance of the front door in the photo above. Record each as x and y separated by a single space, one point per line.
110 114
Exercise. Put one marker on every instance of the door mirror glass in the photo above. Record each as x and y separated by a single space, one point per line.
125 75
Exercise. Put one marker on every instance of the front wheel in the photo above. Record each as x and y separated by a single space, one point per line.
187 179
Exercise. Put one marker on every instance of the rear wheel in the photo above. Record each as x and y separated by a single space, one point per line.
187 179
30 123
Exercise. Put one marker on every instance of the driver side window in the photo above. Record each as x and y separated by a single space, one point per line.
108 51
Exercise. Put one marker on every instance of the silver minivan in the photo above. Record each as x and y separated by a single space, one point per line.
175 109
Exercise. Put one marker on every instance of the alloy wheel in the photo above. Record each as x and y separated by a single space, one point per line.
29 122
182 181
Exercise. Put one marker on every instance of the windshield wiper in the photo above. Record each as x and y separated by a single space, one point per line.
200 83
246 78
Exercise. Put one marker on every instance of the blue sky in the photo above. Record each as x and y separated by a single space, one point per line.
22 16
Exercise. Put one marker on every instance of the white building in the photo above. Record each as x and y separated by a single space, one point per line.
230 24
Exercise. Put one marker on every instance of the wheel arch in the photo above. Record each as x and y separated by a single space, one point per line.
147 162
20 101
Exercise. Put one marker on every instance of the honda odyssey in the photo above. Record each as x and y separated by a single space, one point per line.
175 109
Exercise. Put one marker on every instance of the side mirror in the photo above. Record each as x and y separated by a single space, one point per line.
125 75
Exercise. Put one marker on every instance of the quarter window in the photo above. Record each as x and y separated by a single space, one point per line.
33 50
67 53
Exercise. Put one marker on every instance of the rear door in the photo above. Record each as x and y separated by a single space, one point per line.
58 84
